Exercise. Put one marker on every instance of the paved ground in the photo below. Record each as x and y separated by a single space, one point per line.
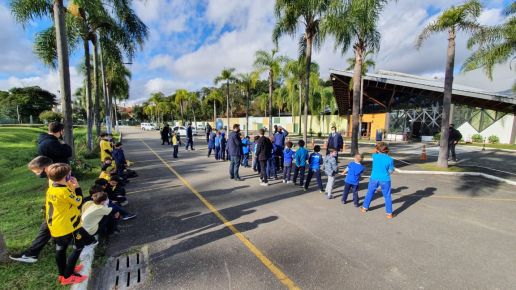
449 233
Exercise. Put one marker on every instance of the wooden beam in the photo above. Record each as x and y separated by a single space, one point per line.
376 101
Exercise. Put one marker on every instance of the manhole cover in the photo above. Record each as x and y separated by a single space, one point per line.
128 271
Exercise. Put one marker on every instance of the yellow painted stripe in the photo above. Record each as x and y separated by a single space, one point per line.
282 277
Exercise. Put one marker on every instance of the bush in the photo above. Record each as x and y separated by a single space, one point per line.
477 138
437 137
50 116
319 134
493 139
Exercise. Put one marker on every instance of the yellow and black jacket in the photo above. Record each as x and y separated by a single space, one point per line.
105 149
62 210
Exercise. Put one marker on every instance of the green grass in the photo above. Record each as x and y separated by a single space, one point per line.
21 208
495 146
433 167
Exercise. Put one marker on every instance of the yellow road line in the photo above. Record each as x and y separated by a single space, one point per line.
282 277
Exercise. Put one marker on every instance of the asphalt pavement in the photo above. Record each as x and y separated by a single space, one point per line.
449 232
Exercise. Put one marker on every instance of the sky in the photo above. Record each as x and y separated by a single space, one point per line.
191 41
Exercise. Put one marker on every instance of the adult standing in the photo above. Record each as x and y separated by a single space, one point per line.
235 152
165 132
189 137
50 144
280 135
263 152
211 143
208 132
453 139
335 142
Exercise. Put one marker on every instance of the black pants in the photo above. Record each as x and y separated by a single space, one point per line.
299 170
176 149
164 139
451 149
209 151
278 155
317 173
78 240
40 241
263 172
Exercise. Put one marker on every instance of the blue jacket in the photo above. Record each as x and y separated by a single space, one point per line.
234 144
301 157
315 161
211 141
245 146
288 155
279 139
217 141
335 142
223 140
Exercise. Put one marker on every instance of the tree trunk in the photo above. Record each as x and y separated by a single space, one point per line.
308 62
64 70
227 105
107 97
214 114
442 160
300 103
98 121
89 107
247 114
115 112
357 79
270 101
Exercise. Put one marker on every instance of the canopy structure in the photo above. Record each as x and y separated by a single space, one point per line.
386 91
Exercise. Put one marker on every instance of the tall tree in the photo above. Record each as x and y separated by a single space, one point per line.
214 97
270 63
25 11
182 96
495 45
247 82
455 19
227 75
356 25
306 14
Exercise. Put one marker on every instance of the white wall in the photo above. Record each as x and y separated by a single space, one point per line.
501 128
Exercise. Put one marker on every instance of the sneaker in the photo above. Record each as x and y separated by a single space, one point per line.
73 279
284 181
390 215
23 258
238 179
329 196
289 181
305 189
321 191
264 184
363 210
129 216
78 268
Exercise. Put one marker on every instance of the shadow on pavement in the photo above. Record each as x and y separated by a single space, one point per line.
408 200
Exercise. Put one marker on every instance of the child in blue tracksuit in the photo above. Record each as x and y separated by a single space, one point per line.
256 162
314 162
383 166
223 142
245 149
300 157
271 164
353 171
218 141
288 155
211 143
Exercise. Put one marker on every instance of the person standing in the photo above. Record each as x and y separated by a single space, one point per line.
208 132
211 143
453 139
165 132
189 137
49 144
280 136
330 168
263 153
176 141
335 142
235 152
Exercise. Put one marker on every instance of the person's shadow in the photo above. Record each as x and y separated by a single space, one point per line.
407 200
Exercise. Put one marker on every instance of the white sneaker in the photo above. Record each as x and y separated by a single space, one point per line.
284 181
264 184
290 181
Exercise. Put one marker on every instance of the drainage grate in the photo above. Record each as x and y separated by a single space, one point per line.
127 271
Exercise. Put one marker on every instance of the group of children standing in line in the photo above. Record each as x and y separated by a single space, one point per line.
78 220
302 163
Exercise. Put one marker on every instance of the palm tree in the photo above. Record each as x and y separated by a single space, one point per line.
495 45
181 98
356 24
290 15
215 96
271 63
247 82
452 20
227 75
25 11
367 63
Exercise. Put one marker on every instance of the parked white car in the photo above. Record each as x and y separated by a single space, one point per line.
148 126
182 130
201 127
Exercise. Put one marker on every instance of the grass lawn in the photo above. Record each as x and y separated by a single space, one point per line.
21 208
496 146
433 167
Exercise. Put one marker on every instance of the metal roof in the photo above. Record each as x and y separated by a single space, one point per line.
387 81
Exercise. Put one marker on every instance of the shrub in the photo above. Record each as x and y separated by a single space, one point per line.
319 134
477 138
437 137
493 139
50 116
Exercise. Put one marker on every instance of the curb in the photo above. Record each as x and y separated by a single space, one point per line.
488 176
